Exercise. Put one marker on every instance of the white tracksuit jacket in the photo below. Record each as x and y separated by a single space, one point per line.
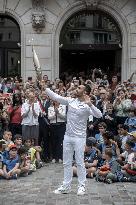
77 115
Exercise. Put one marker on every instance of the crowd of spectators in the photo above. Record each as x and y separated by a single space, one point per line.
32 126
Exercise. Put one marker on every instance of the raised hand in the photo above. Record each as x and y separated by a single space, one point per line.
87 100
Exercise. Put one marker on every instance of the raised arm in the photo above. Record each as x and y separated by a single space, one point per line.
92 109
56 97
95 111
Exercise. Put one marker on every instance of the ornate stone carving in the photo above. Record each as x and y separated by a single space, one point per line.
92 3
3 6
38 21
38 15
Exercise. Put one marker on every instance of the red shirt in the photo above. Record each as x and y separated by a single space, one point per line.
15 116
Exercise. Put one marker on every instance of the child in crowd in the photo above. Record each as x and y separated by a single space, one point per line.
102 129
92 155
109 143
18 141
128 156
7 136
118 137
131 120
24 164
124 135
111 171
109 118
11 164
32 153
1 157
38 149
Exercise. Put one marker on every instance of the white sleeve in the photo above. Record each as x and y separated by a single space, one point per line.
56 97
95 112
37 108
24 110
62 112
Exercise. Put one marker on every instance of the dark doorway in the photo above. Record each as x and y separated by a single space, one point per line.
10 52
80 60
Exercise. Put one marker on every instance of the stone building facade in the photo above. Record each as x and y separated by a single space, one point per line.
41 22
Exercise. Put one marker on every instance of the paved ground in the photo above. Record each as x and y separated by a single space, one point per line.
37 189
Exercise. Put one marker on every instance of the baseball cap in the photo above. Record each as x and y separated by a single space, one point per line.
12 146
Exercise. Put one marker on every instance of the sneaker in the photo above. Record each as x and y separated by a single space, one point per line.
108 181
53 161
81 190
62 190
14 176
60 161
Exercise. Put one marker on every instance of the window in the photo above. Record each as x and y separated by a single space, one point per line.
90 26
100 38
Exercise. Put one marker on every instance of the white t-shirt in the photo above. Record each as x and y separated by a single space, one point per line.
128 157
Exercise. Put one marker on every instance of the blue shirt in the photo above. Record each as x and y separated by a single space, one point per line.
131 122
11 163
99 138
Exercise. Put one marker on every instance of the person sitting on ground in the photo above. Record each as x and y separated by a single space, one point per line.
124 135
2 142
111 170
32 154
7 136
109 143
91 158
102 129
18 141
118 137
38 149
128 155
24 164
131 120
11 164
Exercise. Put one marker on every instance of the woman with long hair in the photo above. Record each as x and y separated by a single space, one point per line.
15 115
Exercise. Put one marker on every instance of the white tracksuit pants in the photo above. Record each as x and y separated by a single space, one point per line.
71 144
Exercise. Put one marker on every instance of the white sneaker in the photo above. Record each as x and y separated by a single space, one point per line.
53 161
60 161
62 190
81 190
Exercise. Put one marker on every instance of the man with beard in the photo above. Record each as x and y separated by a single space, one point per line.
79 109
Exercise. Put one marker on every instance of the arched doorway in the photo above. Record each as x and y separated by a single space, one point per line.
10 51
89 39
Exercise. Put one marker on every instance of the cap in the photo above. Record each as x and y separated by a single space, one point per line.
90 141
2 142
12 146
132 134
